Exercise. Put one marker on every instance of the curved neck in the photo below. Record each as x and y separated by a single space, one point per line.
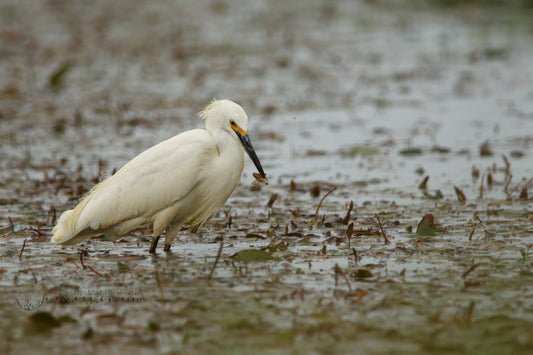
227 142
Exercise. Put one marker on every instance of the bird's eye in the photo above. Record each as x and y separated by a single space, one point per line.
232 122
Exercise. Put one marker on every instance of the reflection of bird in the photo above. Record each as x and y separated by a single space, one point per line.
184 179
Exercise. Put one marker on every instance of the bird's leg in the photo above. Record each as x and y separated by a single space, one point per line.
170 233
154 244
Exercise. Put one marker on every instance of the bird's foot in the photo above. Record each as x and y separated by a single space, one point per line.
167 247
154 245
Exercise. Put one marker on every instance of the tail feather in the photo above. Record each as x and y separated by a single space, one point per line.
64 229
68 231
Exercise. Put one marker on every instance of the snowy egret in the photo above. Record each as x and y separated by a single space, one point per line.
184 179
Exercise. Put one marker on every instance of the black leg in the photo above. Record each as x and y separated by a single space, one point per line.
166 247
154 244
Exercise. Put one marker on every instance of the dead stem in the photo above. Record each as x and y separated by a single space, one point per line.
339 271
38 229
471 234
460 195
470 269
10 228
382 231
21 250
216 260
93 270
299 293
81 258
272 199
322 200
469 311
346 219
481 187
356 257
159 286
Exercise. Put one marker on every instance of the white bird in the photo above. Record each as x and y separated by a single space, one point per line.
184 179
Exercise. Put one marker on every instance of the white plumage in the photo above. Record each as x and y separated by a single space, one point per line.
184 179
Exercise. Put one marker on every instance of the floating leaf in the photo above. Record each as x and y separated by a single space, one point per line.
361 273
253 255
315 191
56 79
254 236
359 150
316 152
41 323
411 151
523 194
122 268
485 149
281 246
424 184
460 195
153 326
349 231
439 149
437 196
286 336
426 227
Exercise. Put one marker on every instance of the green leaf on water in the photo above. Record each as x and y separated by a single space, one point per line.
56 79
122 268
253 255
41 323
278 247
361 273
426 227
359 150
411 151
286 336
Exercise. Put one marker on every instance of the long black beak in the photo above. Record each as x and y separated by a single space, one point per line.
247 144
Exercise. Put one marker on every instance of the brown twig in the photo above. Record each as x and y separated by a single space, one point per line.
72 261
382 231
469 311
54 215
38 229
424 184
159 286
216 260
299 293
346 219
338 271
322 199
21 250
81 258
460 195
273 199
10 228
82 253
471 234
356 257
93 270
470 269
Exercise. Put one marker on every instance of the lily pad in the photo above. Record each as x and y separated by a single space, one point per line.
361 273
359 150
41 323
426 227
253 255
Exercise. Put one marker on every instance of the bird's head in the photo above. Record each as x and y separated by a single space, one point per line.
228 116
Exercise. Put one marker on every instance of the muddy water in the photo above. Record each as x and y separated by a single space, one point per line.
368 99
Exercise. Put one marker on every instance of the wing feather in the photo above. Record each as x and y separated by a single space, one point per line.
150 182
